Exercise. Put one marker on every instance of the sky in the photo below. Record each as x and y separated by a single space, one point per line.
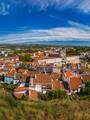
39 21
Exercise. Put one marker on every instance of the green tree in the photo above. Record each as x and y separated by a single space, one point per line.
9 87
54 94
26 58
85 92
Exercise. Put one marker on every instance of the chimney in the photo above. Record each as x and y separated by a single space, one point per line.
14 76
34 54
35 76
31 79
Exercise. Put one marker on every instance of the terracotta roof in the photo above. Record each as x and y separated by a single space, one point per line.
55 76
57 85
13 71
42 79
69 74
39 53
8 64
18 89
33 95
75 83
37 58
8 68
44 65
22 70
86 77
9 74
1 71
2 62
17 95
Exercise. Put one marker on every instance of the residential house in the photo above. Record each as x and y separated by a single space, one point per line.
72 81
39 83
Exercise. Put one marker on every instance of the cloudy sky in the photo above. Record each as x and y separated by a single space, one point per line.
36 21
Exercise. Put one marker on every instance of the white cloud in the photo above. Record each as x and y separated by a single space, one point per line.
76 31
78 25
4 8
42 5
81 5
84 6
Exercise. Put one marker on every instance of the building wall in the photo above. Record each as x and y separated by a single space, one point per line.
45 69
48 61
56 69
8 80
71 59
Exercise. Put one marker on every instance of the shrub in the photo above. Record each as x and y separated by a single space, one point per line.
54 94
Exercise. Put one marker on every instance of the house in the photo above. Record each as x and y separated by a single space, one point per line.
75 84
45 68
56 69
38 83
50 60
42 82
20 91
73 59
10 80
57 85
2 72
72 81
85 77
33 95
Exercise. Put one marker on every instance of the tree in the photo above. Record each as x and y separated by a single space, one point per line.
86 91
85 60
54 94
9 87
26 58
1 77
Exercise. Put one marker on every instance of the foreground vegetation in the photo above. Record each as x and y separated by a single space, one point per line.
55 105
58 109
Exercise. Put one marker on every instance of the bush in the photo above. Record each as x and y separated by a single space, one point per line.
54 94
9 87
86 91
11 101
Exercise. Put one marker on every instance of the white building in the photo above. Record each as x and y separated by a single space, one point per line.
71 59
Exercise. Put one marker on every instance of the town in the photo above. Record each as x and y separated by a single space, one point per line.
39 72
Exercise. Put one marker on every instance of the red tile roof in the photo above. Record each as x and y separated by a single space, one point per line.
33 95
18 89
57 85
86 77
18 92
75 83
55 76
42 79
45 78
67 74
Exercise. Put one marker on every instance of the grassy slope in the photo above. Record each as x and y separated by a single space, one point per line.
10 109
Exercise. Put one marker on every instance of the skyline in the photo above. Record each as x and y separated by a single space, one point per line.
47 20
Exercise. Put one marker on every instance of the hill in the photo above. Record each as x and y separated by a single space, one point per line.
65 109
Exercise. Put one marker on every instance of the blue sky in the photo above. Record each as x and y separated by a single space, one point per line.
24 21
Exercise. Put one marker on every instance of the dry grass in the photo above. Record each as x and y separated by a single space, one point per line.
11 109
